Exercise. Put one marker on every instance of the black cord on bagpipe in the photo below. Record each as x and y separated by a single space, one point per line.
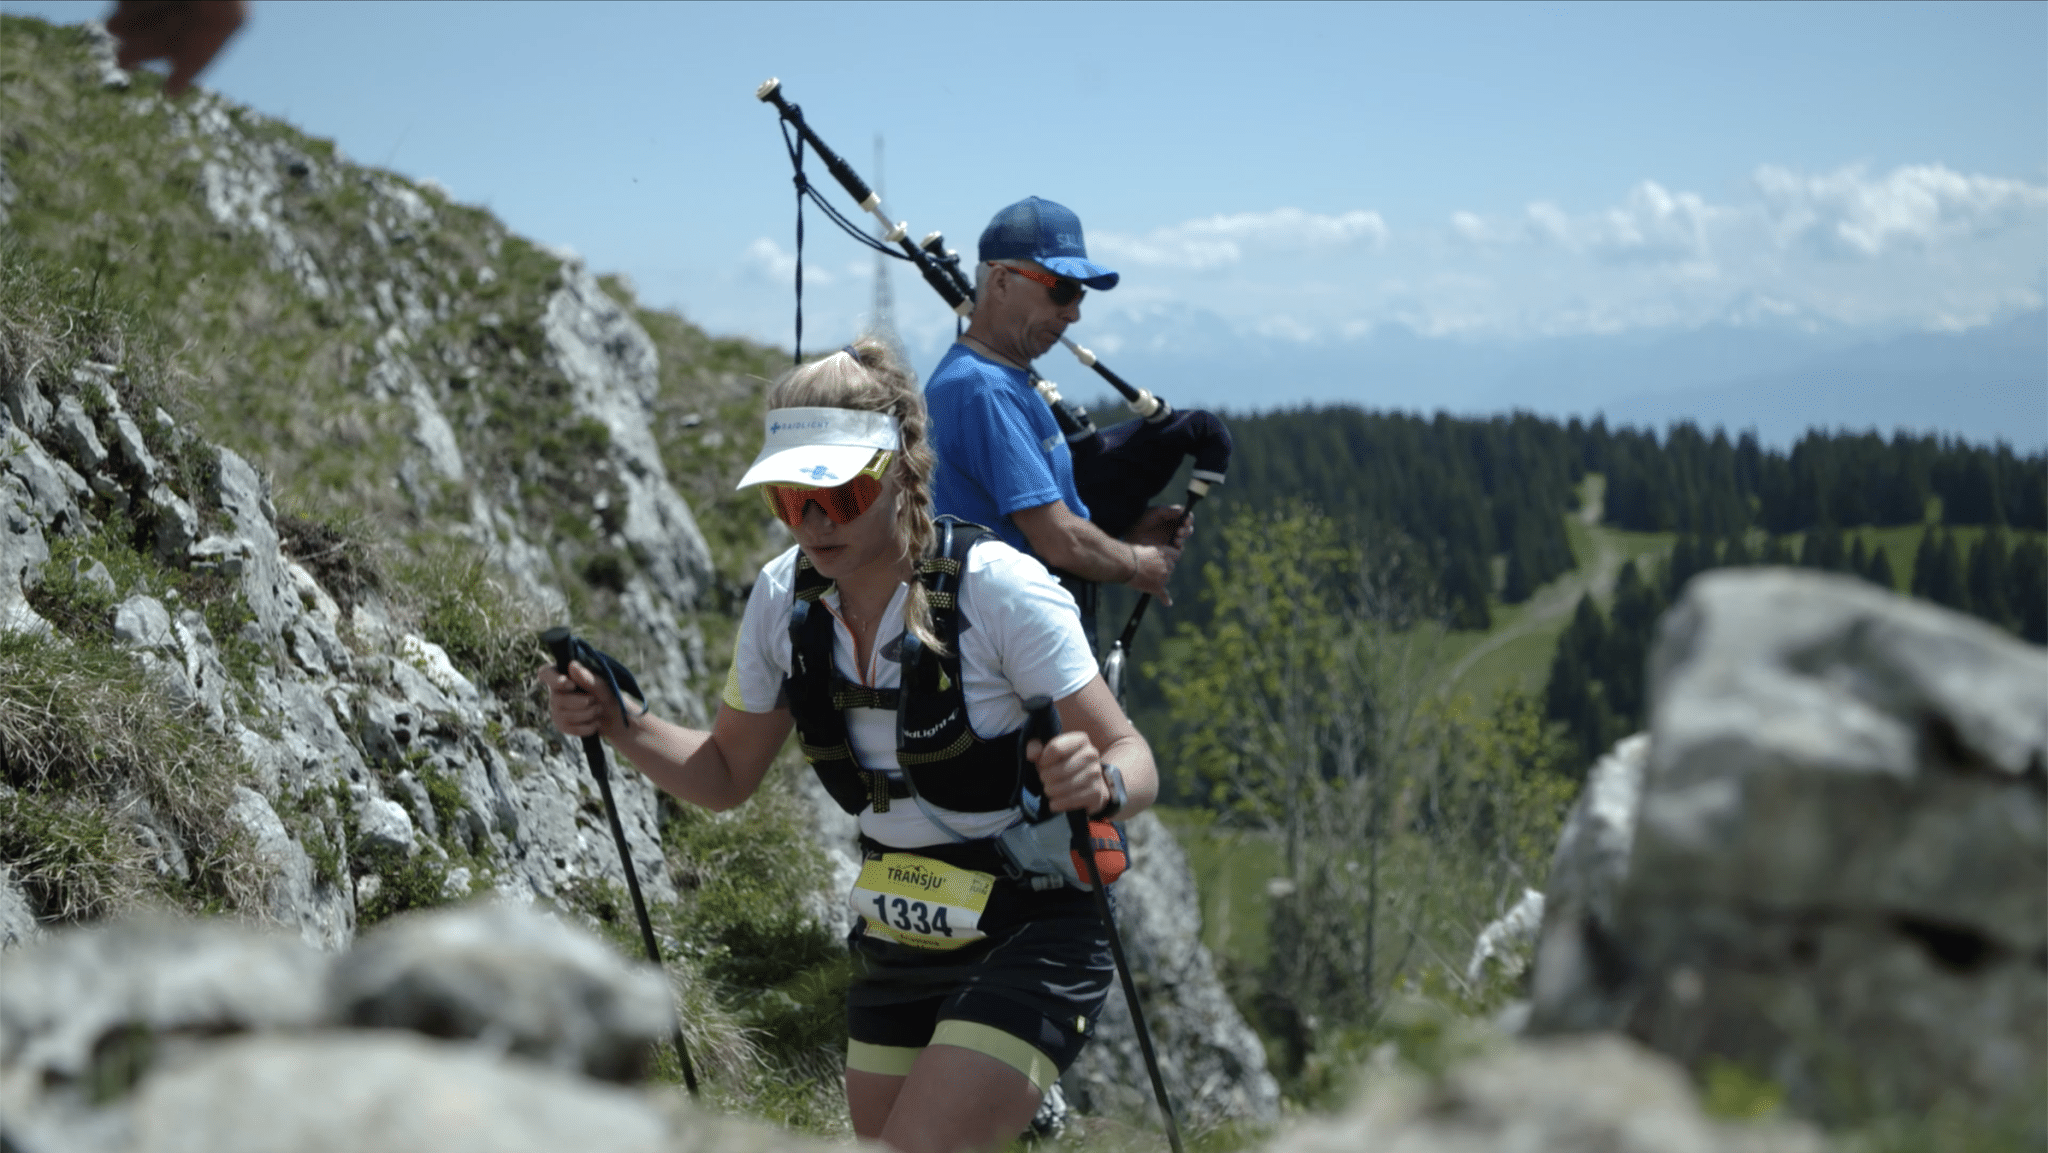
803 188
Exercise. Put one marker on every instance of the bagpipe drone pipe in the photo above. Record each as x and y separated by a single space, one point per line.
1117 472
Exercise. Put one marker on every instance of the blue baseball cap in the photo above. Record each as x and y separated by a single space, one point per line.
1050 234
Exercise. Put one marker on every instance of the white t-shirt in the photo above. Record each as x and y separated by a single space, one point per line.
1020 637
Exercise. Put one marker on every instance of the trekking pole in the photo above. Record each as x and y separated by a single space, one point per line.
563 645
1043 722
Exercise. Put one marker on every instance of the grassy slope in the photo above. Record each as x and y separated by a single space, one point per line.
109 189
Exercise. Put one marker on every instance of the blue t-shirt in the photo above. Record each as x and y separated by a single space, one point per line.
999 447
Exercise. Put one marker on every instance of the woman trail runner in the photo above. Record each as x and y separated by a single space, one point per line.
902 648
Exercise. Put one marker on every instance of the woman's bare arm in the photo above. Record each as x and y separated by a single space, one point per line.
1096 732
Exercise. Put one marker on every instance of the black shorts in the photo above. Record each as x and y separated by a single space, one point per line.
1028 994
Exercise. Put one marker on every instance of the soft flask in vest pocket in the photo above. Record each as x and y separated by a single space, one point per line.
1046 849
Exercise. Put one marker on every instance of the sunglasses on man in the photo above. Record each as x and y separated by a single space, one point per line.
841 503
1062 290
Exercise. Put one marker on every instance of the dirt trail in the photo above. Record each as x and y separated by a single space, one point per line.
1561 596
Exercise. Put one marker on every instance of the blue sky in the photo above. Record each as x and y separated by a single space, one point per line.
1306 173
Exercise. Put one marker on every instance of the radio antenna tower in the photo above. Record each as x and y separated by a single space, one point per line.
882 325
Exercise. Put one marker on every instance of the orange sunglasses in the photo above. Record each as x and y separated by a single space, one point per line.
1062 290
842 503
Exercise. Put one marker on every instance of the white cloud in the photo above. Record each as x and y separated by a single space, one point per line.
1216 241
1474 228
1651 224
1654 224
765 258
1848 213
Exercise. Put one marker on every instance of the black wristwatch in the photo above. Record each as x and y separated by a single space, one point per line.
1117 794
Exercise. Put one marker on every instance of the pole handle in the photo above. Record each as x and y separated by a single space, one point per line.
560 642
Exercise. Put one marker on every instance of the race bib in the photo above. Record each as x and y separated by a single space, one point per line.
919 902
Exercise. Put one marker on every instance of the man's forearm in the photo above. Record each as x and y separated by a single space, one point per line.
1078 547
1068 543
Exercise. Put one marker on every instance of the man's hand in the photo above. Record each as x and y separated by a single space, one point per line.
1162 525
188 33
1065 541
1156 542
1155 568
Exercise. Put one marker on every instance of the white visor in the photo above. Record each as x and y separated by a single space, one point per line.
820 447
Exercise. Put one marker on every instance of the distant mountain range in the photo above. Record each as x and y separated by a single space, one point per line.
1984 384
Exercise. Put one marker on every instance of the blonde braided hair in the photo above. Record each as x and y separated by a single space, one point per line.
868 377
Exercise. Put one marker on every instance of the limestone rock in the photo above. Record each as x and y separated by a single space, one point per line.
51 489
1213 1063
142 621
1504 938
245 498
18 923
1592 1093
1579 964
1836 868
611 366
62 1000
23 553
75 432
514 978
392 1092
323 914
105 57
384 824
133 451
155 1036
177 523
21 395
94 575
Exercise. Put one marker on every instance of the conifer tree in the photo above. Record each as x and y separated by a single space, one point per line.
1822 549
1925 558
1735 553
1880 571
1573 696
2029 598
1988 577
1690 556
1945 584
1625 654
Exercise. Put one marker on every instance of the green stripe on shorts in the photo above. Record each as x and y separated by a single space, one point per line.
887 1060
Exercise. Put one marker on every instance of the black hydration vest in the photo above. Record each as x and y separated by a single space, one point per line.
943 759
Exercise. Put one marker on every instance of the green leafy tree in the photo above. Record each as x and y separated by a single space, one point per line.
1301 710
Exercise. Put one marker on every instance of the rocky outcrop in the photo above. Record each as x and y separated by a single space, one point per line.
1576 949
1212 1062
610 365
1832 873
473 1029
1603 1093
345 705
